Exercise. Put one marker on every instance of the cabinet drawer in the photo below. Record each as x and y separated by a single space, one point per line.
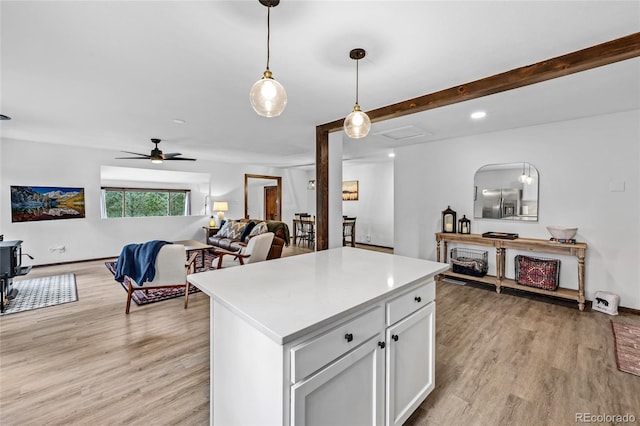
315 353
410 301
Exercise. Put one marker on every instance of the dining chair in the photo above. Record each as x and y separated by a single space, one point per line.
349 231
305 229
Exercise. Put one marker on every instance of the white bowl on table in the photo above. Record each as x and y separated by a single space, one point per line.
562 232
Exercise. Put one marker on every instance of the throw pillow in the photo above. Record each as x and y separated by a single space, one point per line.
235 229
247 230
260 228
224 230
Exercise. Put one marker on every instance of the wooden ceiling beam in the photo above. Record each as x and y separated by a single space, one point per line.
581 60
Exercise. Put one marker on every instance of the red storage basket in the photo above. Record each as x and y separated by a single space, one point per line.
538 272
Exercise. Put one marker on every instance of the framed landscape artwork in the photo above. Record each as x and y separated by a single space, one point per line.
33 203
350 190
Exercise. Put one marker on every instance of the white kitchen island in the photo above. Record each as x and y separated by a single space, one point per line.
338 337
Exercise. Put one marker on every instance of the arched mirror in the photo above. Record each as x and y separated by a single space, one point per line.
262 197
506 191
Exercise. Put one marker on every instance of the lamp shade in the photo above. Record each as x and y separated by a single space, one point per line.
357 124
268 97
220 206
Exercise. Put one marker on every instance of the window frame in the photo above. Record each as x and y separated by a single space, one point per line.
124 190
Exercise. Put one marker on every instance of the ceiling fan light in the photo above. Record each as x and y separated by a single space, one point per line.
156 160
357 124
268 97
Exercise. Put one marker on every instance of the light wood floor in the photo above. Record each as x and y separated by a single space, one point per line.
503 359
500 359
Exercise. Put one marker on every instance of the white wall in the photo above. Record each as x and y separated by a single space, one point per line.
580 163
374 207
42 164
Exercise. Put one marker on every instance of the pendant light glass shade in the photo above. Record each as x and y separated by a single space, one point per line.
357 124
523 177
268 97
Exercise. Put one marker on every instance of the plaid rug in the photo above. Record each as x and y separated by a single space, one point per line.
144 297
42 292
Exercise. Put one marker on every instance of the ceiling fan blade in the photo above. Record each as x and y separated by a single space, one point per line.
132 158
136 153
156 155
180 158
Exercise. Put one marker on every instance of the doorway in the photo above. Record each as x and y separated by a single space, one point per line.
271 203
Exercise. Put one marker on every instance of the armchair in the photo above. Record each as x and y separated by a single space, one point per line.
171 271
256 251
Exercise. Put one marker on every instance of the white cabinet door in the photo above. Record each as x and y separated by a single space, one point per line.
410 363
349 391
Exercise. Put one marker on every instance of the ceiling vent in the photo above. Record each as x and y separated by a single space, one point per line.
403 133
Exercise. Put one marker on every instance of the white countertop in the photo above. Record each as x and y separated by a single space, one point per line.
289 297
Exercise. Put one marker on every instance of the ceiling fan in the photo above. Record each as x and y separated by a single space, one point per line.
156 155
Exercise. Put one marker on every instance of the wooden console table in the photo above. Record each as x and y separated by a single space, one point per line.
525 244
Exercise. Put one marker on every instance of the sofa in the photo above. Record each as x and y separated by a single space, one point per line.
235 234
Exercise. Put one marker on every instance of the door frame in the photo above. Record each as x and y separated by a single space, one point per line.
278 180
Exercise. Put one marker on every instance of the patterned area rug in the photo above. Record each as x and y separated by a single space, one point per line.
42 292
144 297
627 338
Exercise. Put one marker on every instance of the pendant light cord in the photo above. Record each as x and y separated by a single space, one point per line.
357 61
268 32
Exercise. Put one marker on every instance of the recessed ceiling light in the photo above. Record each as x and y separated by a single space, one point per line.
392 154
477 115
178 121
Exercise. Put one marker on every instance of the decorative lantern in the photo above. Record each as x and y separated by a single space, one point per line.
449 221
464 225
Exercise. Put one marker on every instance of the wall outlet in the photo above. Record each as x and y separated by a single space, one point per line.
368 238
59 249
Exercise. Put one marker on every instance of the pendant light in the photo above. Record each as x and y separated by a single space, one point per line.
357 124
268 97
523 176
529 179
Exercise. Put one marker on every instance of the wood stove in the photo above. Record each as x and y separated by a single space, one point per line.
10 266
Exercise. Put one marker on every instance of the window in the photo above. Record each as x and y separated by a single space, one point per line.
136 202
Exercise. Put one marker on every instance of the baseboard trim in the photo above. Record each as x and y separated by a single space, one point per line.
75 261
374 245
629 310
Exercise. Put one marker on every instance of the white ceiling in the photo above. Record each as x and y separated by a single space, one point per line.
115 74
